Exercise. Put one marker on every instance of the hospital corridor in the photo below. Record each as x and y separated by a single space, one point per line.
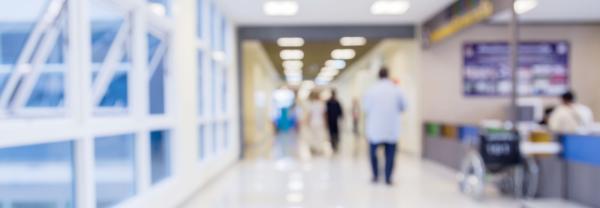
299 103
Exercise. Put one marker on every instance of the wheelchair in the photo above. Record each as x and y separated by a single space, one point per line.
496 158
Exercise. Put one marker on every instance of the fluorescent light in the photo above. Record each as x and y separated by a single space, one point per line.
292 64
338 64
343 54
523 6
280 8
291 54
290 42
390 7
353 41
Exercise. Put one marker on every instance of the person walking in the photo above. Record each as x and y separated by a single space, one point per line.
383 104
333 114
315 125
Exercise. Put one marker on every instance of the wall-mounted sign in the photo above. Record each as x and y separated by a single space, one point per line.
456 17
543 69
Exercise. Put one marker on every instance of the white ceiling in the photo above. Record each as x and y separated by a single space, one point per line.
357 12
553 11
329 12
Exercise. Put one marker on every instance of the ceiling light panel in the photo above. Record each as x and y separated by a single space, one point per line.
353 41
292 64
523 6
343 54
290 42
281 8
390 7
293 72
291 54
338 64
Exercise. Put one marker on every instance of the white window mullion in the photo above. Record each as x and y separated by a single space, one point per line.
139 98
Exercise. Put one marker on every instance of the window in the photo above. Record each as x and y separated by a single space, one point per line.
214 27
215 137
157 63
201 83
160 155
44 173
32 56
225 134
214 72
223 30
199 18
111 62
223 91
114 169
201 143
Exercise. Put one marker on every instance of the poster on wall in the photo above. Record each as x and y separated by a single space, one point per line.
543 69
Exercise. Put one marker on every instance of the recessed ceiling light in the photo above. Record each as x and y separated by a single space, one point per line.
390 7
343 54
523 6
290 42
292 64
353 41
338 64
291 54
280 8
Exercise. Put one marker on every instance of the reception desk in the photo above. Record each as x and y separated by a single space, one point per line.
573 175
582 163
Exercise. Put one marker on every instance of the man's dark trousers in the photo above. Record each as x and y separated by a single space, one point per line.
390 155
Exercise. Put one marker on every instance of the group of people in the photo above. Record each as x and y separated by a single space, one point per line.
381 106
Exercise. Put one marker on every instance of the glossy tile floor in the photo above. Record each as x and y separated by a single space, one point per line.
288 179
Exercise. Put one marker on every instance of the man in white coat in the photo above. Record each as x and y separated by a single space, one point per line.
383 103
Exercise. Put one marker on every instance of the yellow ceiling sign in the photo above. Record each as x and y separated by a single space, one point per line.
484 10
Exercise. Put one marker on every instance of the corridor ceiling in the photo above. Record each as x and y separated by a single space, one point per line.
316 53
329 12
356 12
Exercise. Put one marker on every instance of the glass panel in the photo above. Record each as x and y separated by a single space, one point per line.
37 175
160 155
213 87
114 169
201 83
213 26
223 40
200 18
201 143
215 137
157 79
223 91
116 94
15 33
226 134
107 24
49 91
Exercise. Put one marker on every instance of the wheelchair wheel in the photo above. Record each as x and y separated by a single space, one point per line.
530 178
471 178
521 181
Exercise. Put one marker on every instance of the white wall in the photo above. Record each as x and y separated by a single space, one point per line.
260 81
443 98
